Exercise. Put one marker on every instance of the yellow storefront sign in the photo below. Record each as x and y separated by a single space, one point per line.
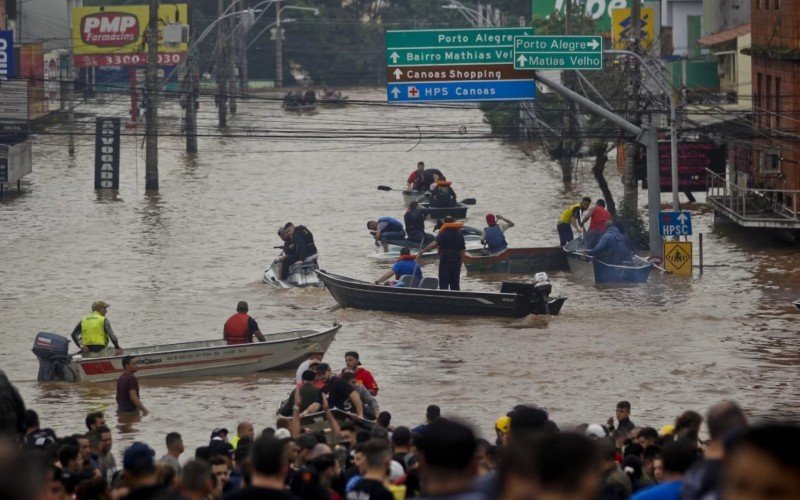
120 29
678 257
621 27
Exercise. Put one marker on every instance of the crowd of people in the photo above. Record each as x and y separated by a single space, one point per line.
529 456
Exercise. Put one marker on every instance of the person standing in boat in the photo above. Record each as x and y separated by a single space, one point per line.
94 331
302 242
241 327
450 243
406 265
571 218
386 229
442 195
493 236
598 216
415 224
416 175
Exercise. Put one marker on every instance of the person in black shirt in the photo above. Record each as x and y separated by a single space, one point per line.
302 242
270 463
428 177
450 243
414 219
378 457
340 394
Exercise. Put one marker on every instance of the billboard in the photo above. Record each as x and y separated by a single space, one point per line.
14 107
6 54
621 27
106 153
693 160
598 10
114 35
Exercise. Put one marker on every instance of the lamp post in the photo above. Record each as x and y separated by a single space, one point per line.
279 38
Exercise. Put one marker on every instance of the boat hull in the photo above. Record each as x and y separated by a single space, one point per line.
797 303
350 293
518 261
472 243
209 357
592 269
457 212
419 196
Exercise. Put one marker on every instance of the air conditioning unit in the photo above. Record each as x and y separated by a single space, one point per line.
175 34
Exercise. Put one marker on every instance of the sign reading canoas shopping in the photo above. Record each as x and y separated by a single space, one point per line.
115 35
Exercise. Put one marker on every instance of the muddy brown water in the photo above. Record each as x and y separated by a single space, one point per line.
173 265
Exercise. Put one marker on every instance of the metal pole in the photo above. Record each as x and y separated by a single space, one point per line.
653 189
221 68
243 84
151 151
192 82
278 46
701 253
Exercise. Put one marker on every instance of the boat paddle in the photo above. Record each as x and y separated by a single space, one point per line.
387 188
468 201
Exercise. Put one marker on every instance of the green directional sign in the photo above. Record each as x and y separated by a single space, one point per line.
558 52
452 46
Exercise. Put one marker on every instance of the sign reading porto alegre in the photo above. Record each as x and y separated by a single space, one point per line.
114 35
455 65
558 52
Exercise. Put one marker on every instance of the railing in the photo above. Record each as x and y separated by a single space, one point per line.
765 205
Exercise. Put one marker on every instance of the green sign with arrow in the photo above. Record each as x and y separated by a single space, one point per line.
558 52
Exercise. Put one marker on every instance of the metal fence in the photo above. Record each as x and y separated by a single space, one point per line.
758 205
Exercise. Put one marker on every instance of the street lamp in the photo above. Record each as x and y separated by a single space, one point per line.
279 39
270 25
475 17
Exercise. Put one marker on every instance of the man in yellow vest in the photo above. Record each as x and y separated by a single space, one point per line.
93 333
571 218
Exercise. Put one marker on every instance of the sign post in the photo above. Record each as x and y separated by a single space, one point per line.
456 65
675 223
678 257
558 52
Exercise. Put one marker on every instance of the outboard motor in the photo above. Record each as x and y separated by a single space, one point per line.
542 287
538 292
51 350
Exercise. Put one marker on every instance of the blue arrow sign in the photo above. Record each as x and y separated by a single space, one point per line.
675 223
501 90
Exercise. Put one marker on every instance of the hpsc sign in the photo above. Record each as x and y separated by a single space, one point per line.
6 55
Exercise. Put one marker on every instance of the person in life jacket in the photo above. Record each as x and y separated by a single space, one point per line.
493 236
612 247
571 218
241 327
301 242
406 265
599 216
451 245
94 331
386 229
443 195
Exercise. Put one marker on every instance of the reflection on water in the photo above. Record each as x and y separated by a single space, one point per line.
174 264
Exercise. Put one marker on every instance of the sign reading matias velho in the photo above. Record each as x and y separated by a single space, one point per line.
115 35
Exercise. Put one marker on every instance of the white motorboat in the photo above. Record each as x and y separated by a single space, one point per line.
301 274
182 359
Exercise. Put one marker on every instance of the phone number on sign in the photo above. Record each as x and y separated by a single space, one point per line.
164 59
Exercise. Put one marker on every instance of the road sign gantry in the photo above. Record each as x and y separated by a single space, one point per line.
548 52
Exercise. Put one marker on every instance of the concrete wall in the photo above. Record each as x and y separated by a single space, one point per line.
744 68
719 15
46 21
674 13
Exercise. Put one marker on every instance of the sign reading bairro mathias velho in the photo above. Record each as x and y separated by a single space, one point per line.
455 65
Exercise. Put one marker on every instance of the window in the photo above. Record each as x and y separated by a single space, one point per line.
777 4
777 102
768 100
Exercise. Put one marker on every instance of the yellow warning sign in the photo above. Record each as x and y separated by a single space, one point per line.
678 257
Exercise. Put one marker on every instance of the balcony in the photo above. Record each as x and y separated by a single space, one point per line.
748 207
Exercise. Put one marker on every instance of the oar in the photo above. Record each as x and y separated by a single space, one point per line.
387 188
468 201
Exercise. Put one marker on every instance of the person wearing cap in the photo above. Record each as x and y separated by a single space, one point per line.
362 375
502 426
313 359
341 394
452 247
493 236
241 327
94 331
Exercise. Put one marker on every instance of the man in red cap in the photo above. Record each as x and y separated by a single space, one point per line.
493 236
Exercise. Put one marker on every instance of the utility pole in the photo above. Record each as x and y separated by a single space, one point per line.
630 197
151 117
191 82
243 83
232 51
278 46
569 115
221 70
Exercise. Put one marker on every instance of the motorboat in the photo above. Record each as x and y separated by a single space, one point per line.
182 359
637 270
457 211
517 260
515 299
301 274
472 242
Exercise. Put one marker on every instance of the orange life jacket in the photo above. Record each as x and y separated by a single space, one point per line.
236 329
448 226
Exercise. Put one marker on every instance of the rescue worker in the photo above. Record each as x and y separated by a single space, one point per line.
302 245
241 327
406 265
493 236
415 224
94 331
571 218
416 175
599 216
450 243
386 229
443 195
612 248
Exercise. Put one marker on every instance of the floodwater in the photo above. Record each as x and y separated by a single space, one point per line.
173 265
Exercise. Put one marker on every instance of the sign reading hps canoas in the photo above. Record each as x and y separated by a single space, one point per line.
106 153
